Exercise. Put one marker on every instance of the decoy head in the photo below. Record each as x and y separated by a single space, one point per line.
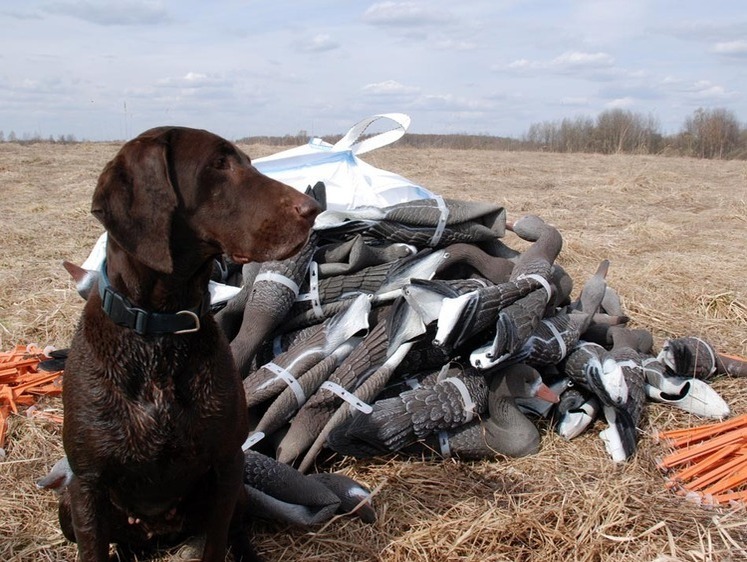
528 227
521 381
606 380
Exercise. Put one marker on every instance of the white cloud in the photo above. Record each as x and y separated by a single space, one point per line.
578 59
620 103
450 102
403 14
731 48
575 101
455 45
318 43
122 12
389 88
193 80
597 65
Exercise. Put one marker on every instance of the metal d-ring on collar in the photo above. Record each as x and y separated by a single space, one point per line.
124 313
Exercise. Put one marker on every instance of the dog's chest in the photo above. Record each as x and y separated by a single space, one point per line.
165 405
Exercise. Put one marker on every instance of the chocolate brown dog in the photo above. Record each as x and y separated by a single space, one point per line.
155 414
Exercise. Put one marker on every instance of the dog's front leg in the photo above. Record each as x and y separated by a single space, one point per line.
91 517
228 484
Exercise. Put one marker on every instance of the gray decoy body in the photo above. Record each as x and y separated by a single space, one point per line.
277 492
273 293
265 382
621 437
455 398
506 430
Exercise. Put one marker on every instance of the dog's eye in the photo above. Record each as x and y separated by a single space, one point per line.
221 163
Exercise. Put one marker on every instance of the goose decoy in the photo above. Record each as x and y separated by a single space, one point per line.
424 223
555 336
408 327
58 478
273 293
585 368
621 437
506 431
515 324
697 358
270 379
287 403
576 412
464 316
455 398
689 394
350 256
363 394
539 258
278 492
316 412
426 296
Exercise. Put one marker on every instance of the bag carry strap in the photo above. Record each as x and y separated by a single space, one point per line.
352 142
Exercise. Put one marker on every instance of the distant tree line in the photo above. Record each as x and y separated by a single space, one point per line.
27 138
707 133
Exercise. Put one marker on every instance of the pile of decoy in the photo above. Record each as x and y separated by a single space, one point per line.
414 329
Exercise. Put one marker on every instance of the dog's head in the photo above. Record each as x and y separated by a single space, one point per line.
176 179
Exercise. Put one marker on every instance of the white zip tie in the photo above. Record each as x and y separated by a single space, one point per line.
278 278
349 397
469 405
313 294
252 440
558 337
710 352
441 225
443 372
287 378
413 383
541 280
443 443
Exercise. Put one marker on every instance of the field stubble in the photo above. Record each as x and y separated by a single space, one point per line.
675 231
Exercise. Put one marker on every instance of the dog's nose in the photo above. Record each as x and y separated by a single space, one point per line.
308 208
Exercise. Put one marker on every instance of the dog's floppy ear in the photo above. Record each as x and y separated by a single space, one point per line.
134 200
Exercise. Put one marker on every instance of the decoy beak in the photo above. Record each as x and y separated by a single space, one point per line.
547 394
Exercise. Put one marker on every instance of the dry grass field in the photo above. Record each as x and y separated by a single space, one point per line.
675 231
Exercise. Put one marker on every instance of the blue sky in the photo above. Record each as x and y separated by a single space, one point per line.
104 70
